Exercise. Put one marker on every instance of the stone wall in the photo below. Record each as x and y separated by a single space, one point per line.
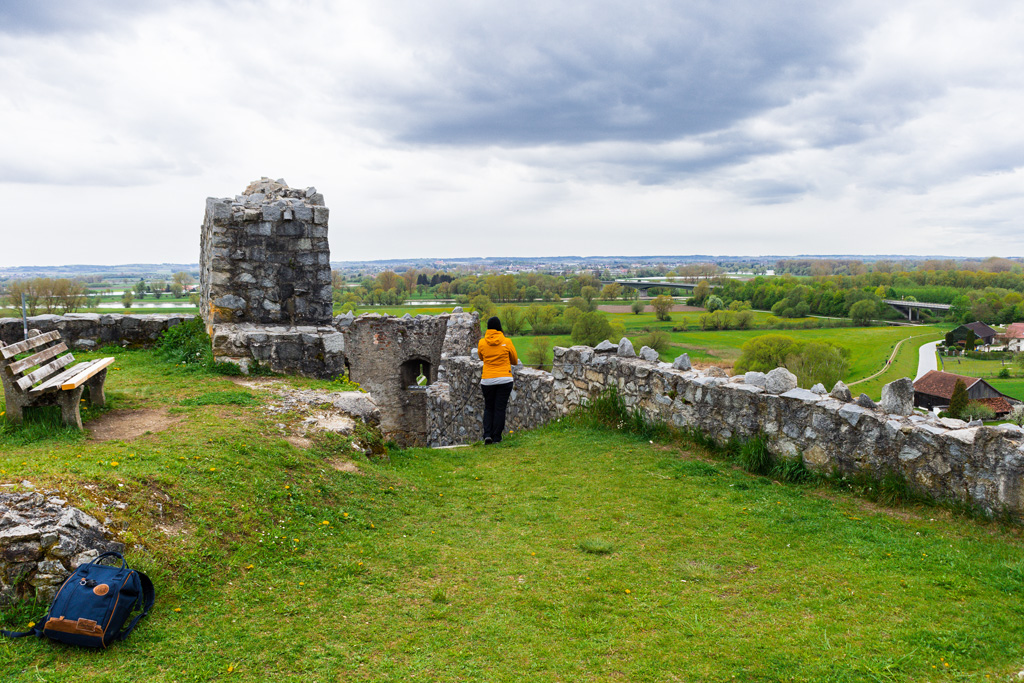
455 405
43 539
88 331
385 355
945 458
309 351
265 257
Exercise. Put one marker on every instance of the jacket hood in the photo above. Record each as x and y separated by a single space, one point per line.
494 337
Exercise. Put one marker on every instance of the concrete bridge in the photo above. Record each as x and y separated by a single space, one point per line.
907 307
643 285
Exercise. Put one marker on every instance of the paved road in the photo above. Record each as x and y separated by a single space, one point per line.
926 359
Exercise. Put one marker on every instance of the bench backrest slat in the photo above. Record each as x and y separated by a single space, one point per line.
23 346
37 358
28 380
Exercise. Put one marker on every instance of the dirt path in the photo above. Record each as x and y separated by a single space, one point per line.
127 424
892 357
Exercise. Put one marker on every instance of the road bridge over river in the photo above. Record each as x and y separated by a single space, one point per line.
907 308
643 285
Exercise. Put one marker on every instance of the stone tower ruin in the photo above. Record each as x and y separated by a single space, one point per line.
265 258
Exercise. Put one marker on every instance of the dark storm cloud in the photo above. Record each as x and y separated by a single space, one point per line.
647 72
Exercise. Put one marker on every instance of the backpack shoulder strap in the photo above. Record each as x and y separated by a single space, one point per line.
36 630
148 597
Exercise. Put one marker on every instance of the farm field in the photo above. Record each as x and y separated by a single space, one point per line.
567 553
869 346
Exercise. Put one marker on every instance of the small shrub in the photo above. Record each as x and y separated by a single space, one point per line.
658 340
755 457
977 411
792 470
1004 373
597 546
186 343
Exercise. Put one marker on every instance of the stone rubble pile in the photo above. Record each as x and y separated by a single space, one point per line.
42 540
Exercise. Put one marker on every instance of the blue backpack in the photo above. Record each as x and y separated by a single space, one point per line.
92 606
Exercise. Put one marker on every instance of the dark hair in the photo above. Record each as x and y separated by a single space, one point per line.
494 324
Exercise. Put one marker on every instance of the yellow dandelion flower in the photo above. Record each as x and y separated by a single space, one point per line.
325 522
31 624
296 540
113 463
231 668
627 591
250 566
287 486
177 609
345 514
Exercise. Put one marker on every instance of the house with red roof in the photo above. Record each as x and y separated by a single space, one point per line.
935 389
1015 337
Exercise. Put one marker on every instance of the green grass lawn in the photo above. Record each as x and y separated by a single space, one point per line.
988 369
869 346
565 554
905 365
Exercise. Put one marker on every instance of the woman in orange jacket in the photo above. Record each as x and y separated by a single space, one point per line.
498 355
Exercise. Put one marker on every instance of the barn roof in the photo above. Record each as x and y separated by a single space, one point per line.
981 329
938 383
999 405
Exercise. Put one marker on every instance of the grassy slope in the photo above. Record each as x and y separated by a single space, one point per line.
465 564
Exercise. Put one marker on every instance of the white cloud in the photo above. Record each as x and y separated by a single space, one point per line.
466 128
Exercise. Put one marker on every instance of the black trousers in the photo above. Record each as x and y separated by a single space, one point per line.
495 403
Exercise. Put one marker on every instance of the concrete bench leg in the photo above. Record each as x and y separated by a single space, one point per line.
95 384
13 407
69 406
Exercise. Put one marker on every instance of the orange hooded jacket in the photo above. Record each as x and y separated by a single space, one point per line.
498 354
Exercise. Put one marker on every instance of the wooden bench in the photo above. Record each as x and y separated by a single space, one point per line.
45 378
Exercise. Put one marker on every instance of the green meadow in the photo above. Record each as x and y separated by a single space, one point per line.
569 553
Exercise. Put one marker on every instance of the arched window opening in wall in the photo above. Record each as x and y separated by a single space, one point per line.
416 372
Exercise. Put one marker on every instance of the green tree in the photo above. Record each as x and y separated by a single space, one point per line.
701 292
958 402
816 362
482 304
714 303
764 353
863 312
591 329
611 291
662 304
141 288
127 299
539 351
580 303
977 411
513 320
657 339
588 293
637 307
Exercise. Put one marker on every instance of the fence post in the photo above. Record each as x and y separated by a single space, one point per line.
24 318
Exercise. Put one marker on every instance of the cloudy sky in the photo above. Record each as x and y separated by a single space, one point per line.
475 128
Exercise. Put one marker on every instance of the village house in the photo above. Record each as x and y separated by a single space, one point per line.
978 331
935 389
1015 337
